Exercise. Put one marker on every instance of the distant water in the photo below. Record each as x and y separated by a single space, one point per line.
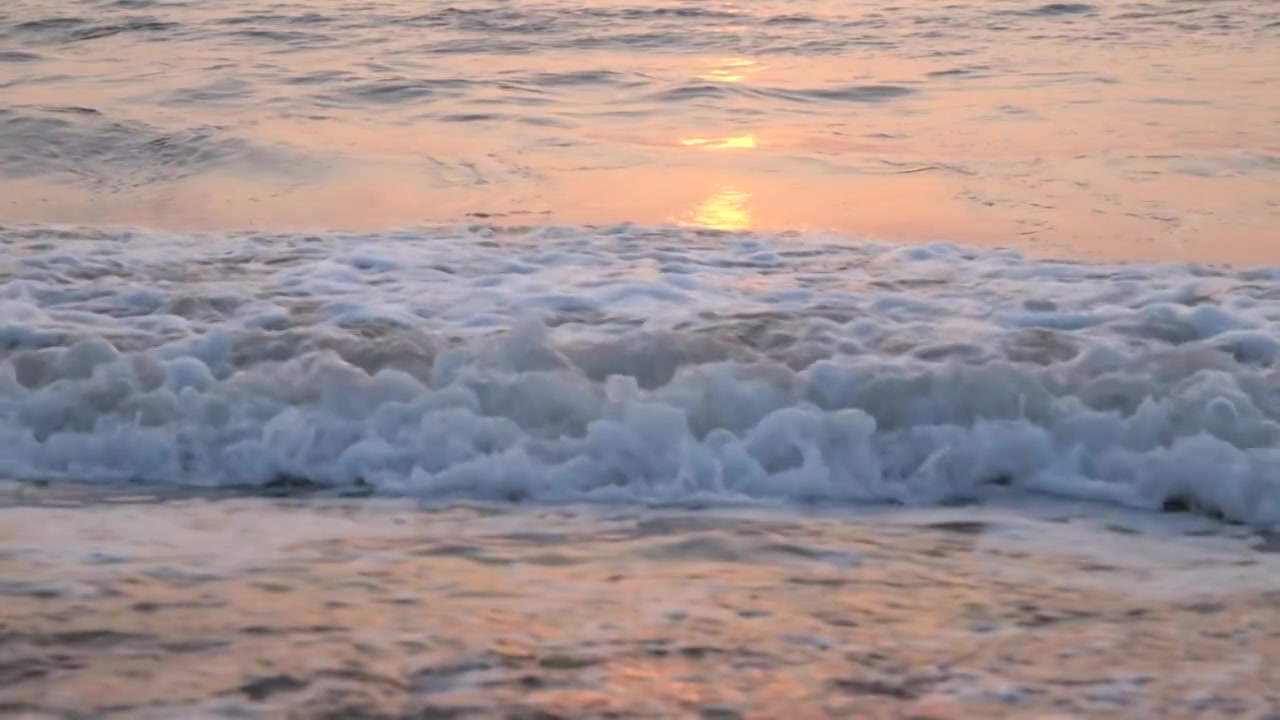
1133 130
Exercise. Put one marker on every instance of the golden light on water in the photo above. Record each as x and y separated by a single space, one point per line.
732 70
728 208
739 142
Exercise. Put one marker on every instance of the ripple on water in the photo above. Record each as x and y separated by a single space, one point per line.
57 30
141 26
816 84
251 18
45 25
227 91
873 93
86 144
399 91
1054 9
923 623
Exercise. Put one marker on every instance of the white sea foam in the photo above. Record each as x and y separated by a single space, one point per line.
634 363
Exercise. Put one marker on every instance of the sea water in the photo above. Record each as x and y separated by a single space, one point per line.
1112 130
671 359
633 472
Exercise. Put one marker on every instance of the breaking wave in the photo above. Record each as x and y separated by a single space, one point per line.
636 364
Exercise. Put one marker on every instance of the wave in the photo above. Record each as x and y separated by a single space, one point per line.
87 146
636 364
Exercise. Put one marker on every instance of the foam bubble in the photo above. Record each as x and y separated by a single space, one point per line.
630 363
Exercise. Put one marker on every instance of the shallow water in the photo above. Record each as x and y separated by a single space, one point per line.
1118 130
194 608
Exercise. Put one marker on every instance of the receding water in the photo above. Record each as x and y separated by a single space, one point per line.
243 608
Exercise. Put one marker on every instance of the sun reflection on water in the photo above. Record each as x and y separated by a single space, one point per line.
739 142
732 70
728 208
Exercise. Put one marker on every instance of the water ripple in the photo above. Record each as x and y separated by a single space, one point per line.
83 143
808 86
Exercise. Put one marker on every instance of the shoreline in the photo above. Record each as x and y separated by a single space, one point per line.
260 608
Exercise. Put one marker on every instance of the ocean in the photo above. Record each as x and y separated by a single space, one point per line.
602 358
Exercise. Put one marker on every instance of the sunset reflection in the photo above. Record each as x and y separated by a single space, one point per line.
732 70
739 142
563 614
728 208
